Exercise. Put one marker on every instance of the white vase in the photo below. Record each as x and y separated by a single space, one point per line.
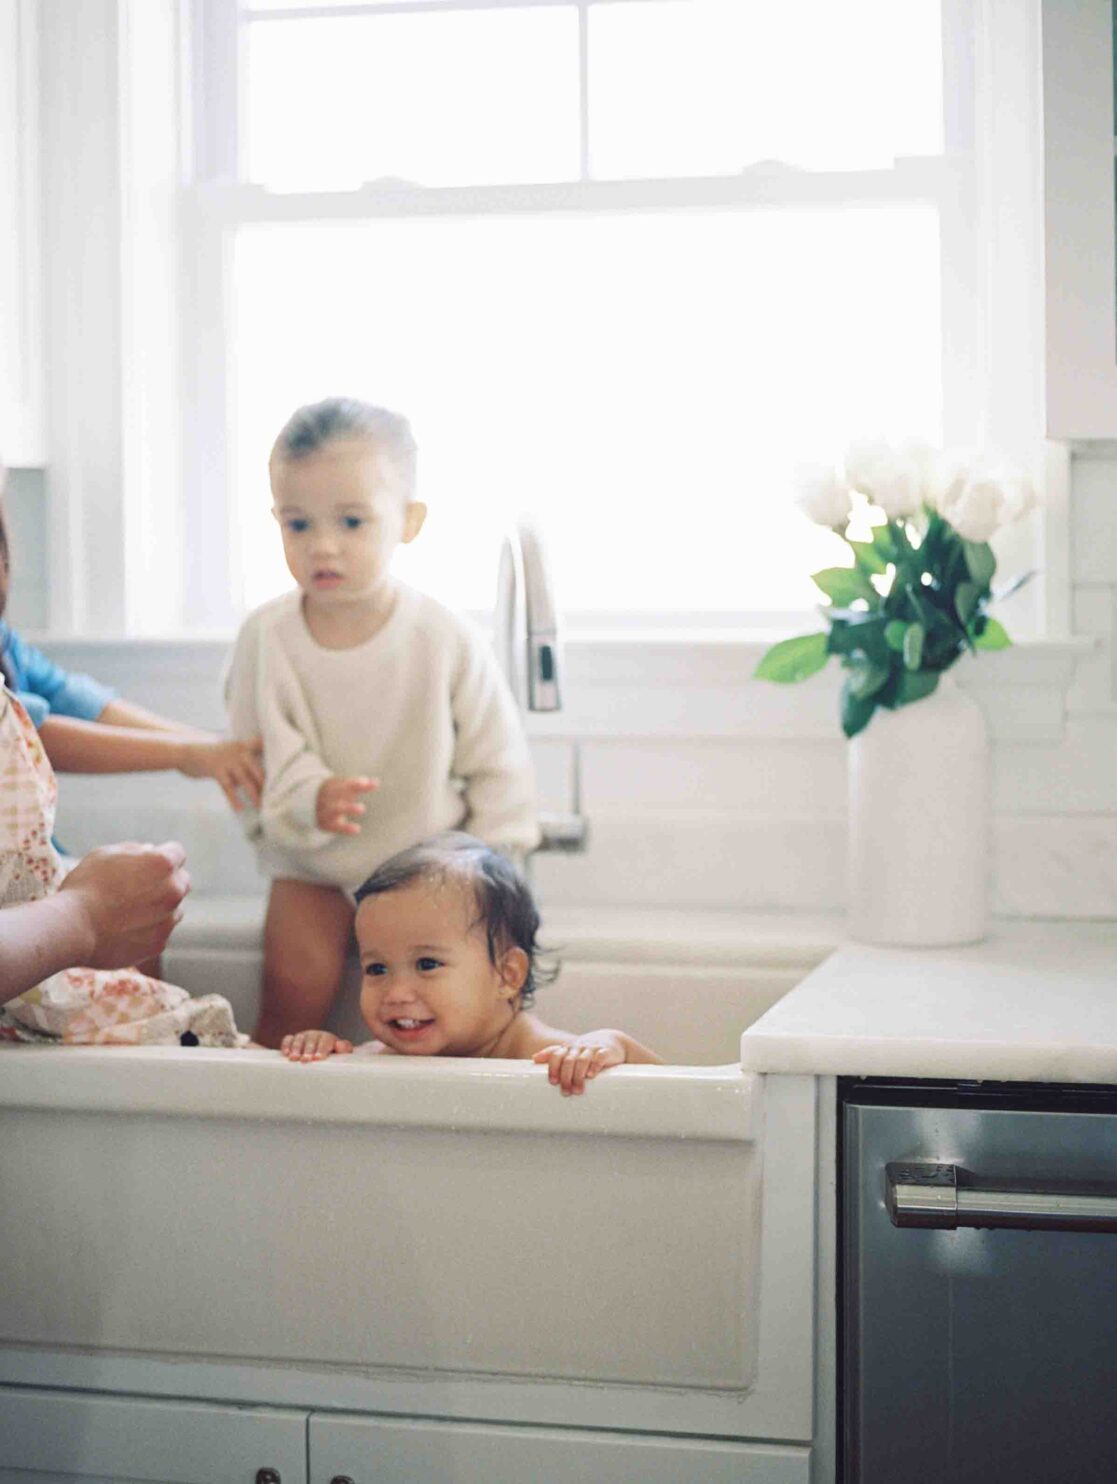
919 823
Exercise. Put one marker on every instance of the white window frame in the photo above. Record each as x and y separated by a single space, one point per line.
142 93
219 204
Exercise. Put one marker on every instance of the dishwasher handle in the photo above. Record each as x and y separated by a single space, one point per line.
946 1197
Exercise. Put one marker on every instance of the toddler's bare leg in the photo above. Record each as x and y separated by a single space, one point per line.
306 935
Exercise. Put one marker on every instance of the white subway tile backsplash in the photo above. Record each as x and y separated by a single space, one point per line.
1094 521
745 775
1056 866
721 860
1075 776
1094 688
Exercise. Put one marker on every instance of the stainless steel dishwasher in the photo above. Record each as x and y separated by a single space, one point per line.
979 1284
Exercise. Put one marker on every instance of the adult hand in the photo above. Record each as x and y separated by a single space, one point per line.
129 898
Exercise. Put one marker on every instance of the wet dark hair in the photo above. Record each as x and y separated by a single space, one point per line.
505 906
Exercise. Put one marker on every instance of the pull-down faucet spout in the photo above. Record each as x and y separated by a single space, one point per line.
526 630
527 645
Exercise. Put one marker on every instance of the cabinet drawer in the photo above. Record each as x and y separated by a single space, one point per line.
57 1437
392 1451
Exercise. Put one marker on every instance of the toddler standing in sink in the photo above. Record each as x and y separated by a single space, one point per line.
384 716
447 935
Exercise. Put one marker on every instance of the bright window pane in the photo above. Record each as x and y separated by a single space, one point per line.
478 97
682 87
256 5
642 383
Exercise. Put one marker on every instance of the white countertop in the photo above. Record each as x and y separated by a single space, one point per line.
1036 1002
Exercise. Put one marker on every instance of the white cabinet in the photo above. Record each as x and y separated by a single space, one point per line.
21 393
381 1450
1080 294
58 1437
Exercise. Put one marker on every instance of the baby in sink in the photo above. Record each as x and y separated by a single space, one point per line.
447 937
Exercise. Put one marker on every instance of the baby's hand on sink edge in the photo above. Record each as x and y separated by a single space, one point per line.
306 1046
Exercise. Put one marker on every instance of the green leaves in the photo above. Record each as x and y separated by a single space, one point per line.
992 636
867 678
844 585
792 660
914 599
868 557
967 595
914 685
980 561
913 646
857 710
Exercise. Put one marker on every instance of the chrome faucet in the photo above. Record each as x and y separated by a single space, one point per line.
526 628
525 633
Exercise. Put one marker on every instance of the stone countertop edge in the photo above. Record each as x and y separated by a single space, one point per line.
1035 1002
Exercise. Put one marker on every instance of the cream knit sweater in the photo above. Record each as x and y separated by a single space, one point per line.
421 705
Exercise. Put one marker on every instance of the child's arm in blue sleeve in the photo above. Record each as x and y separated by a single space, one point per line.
45 687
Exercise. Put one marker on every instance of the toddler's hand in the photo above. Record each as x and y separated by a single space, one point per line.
235 765
339 804
571 1067
314 1046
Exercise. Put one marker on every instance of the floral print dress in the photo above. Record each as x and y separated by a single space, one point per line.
79 1007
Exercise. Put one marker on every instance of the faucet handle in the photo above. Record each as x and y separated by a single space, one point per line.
566 834
542 671
566 831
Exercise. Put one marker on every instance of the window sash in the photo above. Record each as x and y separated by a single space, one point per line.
219 202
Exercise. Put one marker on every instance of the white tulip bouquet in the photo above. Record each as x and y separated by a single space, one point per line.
916 594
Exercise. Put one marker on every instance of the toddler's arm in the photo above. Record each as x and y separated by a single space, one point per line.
92 747
302 804
575 1061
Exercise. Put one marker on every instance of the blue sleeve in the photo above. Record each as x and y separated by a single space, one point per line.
36 708
45 688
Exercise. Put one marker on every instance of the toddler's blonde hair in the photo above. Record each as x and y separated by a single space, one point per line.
341 419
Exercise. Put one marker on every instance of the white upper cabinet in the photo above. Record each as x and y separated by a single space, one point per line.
1078 181
21 400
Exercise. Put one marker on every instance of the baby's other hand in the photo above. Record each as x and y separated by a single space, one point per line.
235 766
571 1066
339 804
314 1046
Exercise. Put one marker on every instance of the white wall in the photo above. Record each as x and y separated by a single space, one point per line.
708 789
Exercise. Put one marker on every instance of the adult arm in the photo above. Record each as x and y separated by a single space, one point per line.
491 753
118 906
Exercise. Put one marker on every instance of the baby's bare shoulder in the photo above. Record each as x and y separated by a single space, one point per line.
530 1035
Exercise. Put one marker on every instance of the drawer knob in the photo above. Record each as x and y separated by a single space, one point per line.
268 1476
341 1479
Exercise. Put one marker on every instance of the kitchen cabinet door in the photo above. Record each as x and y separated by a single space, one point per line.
21 395
374 1450
60 1437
